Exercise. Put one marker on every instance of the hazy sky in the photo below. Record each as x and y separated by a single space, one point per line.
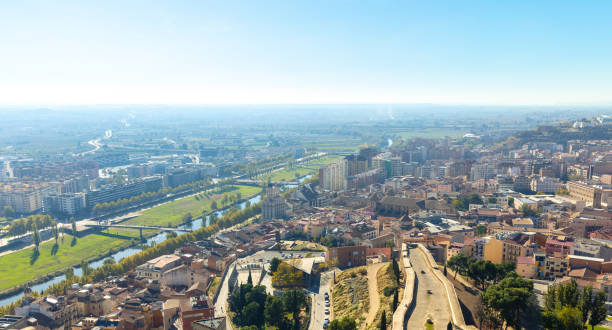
201 52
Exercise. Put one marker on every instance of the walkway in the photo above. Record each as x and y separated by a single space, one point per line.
373 292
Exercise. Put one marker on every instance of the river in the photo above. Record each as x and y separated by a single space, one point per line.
195 224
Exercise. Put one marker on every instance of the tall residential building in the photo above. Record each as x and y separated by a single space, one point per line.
69 204
368 153
355 165
333 176
483 171
273 205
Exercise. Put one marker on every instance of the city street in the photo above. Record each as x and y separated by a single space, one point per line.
434 305
318 300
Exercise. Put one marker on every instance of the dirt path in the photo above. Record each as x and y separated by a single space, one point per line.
373 293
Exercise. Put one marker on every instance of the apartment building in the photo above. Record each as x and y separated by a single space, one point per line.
333 176
115 192
545 184
24 198
155 268
592 194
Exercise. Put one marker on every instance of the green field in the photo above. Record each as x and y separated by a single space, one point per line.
172 212
433 133
290 174
302 170
18 267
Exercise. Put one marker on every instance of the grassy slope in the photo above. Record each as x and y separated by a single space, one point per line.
15 268
385 278
173 212
350 295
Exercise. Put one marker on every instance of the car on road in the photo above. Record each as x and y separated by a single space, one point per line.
326 294
327 311
324 325
422 271
327 303
429 292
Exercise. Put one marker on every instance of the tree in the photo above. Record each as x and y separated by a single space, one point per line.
213 205
251 314
171 234
69 272
274 311
383 321
35 236
395 300
599 311
85 267
445 271
187 217
586 302
55 231
509 297
250 278
527 211
109 261
8 211
345 323
294 300
449 326
565 318
74 227
274 264
480 230
396 270
459 263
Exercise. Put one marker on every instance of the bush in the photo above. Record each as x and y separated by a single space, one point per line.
389 290
363 271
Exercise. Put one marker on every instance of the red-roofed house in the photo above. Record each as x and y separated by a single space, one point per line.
525 266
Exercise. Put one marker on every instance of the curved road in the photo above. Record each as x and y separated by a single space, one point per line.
434 305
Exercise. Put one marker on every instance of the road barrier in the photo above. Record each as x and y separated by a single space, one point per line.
399 316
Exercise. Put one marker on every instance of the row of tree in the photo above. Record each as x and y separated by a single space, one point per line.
24 225
145 197
129 263
482 272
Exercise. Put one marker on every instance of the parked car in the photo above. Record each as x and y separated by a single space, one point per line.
327 311
429 292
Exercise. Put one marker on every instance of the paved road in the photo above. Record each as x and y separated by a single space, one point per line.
433 305
318 301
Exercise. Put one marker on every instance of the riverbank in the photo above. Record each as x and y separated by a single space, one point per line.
54 270
172 213
25 266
